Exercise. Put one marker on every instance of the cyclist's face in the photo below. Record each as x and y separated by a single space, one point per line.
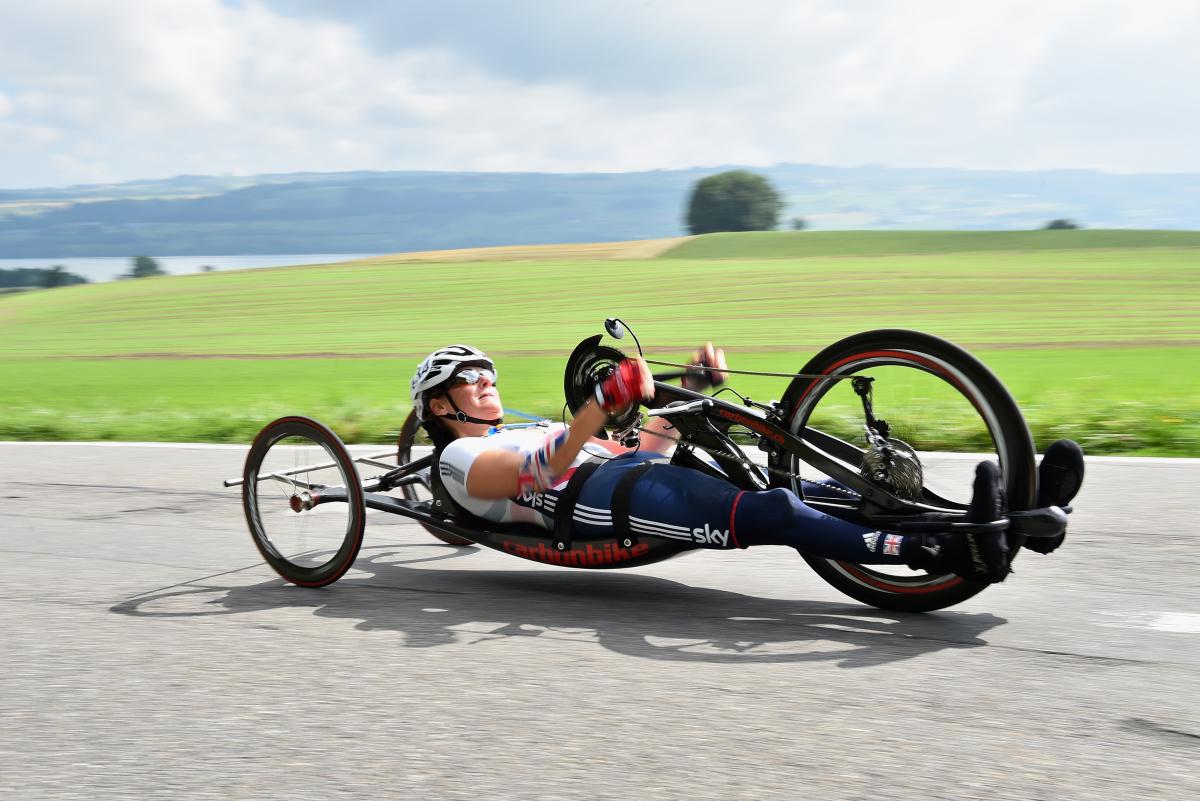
480 399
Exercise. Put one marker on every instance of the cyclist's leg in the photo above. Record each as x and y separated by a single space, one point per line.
683 504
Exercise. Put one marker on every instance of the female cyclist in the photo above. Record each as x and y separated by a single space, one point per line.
518 474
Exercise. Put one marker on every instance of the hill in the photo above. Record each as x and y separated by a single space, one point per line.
418 211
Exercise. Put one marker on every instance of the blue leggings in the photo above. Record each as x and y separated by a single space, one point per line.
684 504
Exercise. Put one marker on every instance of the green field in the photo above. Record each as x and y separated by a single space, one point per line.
808 244
1097 336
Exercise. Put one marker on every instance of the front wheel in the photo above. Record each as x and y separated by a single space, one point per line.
303 501
946 412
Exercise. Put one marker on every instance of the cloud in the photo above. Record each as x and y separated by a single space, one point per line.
136 89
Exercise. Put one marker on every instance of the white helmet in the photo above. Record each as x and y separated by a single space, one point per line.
439 366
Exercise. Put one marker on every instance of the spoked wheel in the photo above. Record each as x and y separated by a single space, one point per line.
946 412
412 434
303 501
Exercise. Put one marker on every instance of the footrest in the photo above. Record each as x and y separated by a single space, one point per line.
1044 523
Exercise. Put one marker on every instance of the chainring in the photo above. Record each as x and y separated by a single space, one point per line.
589 364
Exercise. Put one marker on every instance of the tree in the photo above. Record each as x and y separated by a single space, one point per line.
145 266
1061 225
55 276
733 201
44 277
799 223
207 268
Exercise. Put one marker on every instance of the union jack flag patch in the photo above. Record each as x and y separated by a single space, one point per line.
891 545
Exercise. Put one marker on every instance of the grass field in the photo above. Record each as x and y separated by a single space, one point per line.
1099 342
807 244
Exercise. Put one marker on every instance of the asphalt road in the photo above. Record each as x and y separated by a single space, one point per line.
145 652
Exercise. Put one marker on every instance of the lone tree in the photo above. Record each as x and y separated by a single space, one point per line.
144 267
733 201
1061 225
54 277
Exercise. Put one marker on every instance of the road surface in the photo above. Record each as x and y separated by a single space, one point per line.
147 653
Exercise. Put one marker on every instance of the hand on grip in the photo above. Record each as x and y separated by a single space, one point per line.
628 383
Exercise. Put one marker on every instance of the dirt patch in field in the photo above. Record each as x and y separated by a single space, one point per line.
635 249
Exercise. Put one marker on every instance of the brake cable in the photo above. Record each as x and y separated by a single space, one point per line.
822 376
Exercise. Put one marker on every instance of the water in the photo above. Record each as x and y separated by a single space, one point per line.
108 268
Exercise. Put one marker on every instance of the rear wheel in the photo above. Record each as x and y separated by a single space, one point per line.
411 434
303 501
945 408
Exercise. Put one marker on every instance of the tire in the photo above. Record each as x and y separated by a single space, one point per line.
412 434
948 389
314 546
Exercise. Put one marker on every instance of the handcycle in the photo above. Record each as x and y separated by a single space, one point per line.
825 439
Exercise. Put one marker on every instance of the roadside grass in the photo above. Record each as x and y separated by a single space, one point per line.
1097 341
1142 401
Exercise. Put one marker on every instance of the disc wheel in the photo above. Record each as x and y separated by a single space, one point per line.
941 403
303 501
588 365
412 434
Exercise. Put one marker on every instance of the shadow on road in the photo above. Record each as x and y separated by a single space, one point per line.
631 614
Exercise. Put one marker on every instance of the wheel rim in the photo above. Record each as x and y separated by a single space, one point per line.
932 405
292 529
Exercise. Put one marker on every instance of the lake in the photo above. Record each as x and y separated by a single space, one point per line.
108 268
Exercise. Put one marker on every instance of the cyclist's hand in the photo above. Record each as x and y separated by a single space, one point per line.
630 382
706 356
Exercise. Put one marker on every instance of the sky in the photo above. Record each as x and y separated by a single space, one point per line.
95 91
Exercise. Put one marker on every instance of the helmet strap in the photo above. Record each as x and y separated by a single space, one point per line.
463 417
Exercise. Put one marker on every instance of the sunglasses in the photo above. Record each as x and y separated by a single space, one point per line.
472 376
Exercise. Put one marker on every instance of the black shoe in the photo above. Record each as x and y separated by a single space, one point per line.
1060 475
976 556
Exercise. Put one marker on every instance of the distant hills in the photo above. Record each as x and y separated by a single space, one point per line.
372 212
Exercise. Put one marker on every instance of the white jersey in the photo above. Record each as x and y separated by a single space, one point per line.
530 507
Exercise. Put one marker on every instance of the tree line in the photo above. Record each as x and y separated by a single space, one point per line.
39 278
57 275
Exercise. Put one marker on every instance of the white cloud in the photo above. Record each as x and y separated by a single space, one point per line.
137 89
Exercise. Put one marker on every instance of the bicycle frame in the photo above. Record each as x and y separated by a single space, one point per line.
704 421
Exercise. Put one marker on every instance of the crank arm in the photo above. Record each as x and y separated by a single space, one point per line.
949 527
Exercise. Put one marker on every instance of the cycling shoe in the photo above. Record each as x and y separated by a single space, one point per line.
975 556
1060 475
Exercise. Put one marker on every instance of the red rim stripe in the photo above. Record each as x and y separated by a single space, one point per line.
893 354
855 571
